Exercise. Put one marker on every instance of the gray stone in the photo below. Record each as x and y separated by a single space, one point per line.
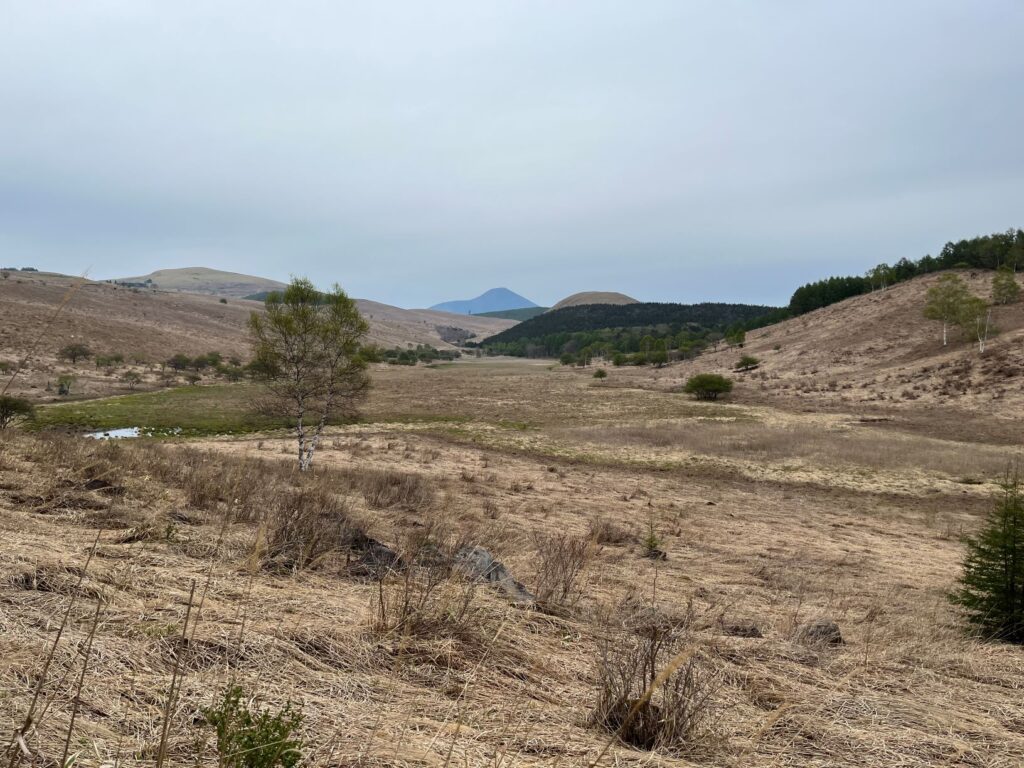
479 564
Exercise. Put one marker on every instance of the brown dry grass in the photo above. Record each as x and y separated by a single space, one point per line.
425 668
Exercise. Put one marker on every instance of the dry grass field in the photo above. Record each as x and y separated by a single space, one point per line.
726 532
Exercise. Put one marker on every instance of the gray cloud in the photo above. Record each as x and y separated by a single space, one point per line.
416 152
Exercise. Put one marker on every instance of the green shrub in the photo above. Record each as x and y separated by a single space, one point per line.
708 386
64 383
74 352
248 738
13 409
992 584
747 363
600 373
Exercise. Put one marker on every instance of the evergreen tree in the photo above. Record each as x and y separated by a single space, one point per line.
992 584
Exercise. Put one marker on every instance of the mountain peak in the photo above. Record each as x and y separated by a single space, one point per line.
492 300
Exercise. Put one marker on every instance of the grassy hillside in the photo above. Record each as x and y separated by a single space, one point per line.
879 348
204 280
147 327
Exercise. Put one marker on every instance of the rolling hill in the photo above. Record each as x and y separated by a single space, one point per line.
494 300
595 297
878 348
207 281
154 325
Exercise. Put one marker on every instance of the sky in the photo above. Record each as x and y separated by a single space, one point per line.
417 152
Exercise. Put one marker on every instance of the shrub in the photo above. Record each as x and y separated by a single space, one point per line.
600 373
396 489
992 584
64 383
304 525
747 363
74 353
253 738
131 378
561 560
707 386
13 409
179 362
653 693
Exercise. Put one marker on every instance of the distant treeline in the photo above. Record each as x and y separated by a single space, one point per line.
608 329
514 314
1005 249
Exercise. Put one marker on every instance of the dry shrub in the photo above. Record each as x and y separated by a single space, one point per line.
305 525
389 488
676 715
434 615
561 561
603 531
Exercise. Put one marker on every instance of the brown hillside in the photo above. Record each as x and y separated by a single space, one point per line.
879 348
595 297
154 325
208 281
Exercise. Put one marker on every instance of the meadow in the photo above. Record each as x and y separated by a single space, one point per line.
737 535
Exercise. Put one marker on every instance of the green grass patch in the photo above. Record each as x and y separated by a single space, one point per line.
187 411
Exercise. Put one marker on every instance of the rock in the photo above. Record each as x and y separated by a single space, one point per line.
479 564
376 560
741 628
820 632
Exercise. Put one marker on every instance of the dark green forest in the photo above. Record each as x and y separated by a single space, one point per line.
986 252
641 331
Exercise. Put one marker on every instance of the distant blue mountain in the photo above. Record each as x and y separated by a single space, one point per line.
494 300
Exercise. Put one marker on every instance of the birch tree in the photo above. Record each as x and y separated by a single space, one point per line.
975 319
306 351
945 302
1005 289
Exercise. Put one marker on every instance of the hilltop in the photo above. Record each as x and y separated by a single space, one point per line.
204 280
494 300
595 297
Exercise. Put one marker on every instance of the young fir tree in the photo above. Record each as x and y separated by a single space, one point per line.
992 584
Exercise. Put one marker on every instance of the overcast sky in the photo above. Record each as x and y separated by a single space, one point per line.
416 152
